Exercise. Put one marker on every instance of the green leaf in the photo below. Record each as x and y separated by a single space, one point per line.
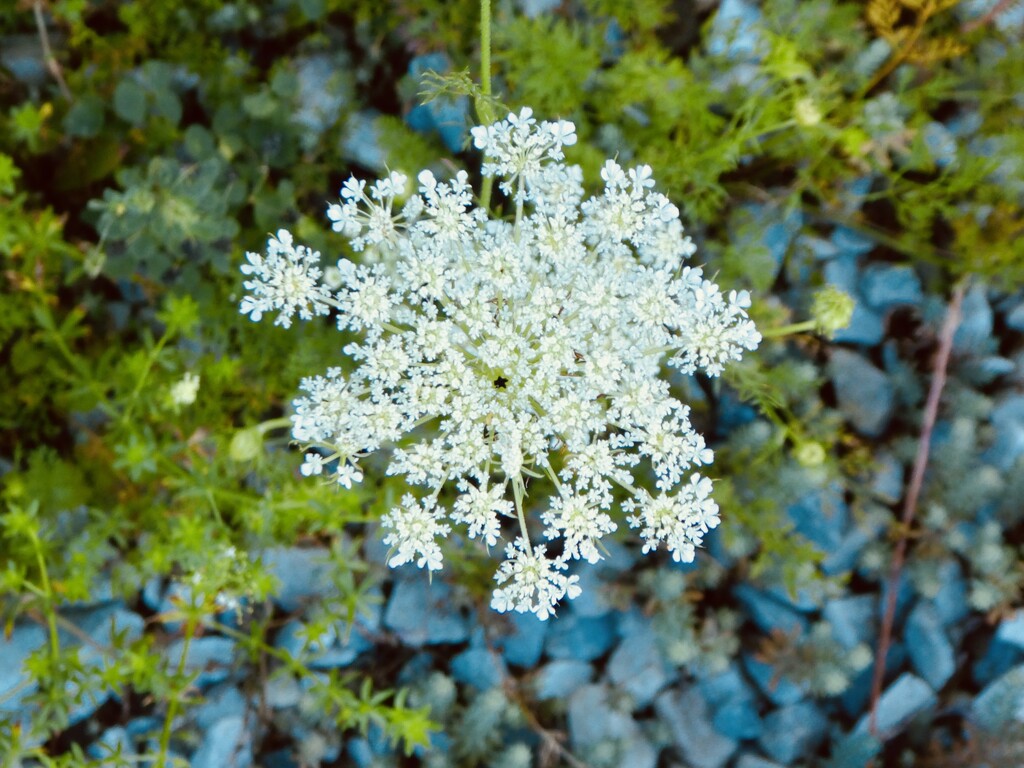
85 118
8 174
167 104
260 105
130 102
313 10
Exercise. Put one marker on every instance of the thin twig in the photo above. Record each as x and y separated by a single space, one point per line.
931 411
995 10
51 61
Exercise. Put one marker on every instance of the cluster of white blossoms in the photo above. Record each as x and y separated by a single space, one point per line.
496 354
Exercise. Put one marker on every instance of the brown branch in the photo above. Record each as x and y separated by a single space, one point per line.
981 21
931 411
51 61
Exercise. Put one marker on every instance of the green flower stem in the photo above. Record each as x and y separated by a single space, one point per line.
519 490
485 83
789 330
150 362
272 424
47 594
172 706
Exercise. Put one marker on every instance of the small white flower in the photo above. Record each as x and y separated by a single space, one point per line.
287 281
347 474
313 465
184 391
481 510
415 526
530 582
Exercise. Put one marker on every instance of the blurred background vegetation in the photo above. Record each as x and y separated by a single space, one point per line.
146 144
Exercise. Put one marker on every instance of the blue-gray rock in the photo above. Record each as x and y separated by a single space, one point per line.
941 144
854 699
866 327
793 732
219 703
854 750
346 646
14 650
886 287
999 658
982 371
574 637
748 760
779 690
864 394
929 649
637 666
975 330
448 117
887 478
361 141
303 574
718 689
733 703
821 248
822 517
1011 630
1001 702
846 556
951 599
593 718
153 593
905 593
421 612
211 657
23 57
849 242
593 602
143 727
558 679
1015 317
282 691
767 612
687 717
1008 421
843 272
524 644
479 667
324 89
358 750
534 8
734 31
738 720
227 744
733 412
282 758
852 619
907 697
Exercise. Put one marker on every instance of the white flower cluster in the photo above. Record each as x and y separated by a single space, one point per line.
493 354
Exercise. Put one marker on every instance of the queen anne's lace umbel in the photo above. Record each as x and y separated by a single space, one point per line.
496 352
